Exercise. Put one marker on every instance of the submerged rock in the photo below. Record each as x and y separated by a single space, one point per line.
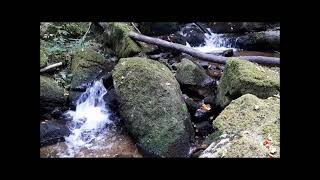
52 132
86 66
152 107
51 95
116 37
253 121
242 77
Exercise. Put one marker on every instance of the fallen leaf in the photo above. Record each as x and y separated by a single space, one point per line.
206 107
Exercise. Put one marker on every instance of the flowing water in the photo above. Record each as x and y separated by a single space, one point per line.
215 43
89 122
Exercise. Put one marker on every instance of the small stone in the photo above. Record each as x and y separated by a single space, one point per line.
256 107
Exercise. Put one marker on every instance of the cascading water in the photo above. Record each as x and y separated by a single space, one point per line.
89 122
214 43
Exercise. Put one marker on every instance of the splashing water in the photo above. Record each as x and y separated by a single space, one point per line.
214 43
89 121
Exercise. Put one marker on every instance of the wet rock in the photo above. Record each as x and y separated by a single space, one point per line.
227 53
158 28
240 27
152 107
51 95
241 77
190 34
86 66
191 104
252 120
116 37
259 41
204 128
111 100
52 132
43 58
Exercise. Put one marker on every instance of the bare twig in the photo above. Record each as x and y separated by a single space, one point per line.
135 27
204 30
51 66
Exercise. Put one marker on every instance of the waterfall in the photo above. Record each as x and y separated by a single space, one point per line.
89 122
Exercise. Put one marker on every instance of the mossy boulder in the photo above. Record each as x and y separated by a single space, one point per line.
86 66
248 114
241 77
193 79
51 95
241 147
190 73
43 58
116 37
158 28
152 107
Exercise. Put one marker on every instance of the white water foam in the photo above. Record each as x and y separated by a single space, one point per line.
89 121
214 43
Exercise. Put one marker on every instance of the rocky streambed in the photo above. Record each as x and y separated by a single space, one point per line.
157 102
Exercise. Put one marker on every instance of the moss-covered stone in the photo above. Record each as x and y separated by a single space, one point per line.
247 113
86 66
245 147
43 58
158 28
116 37
259 118
242 77
152 107
51 95
271 130
189 73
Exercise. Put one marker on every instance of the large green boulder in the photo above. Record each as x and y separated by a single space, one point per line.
51 95
241 77
152 107
116 37
254 120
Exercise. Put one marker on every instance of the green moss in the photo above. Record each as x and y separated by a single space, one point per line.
190 73
50 90
271 129
116 37
242 77
245 147
43 58
247 113
152 107
85 65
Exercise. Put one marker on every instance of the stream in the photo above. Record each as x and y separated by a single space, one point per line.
95 134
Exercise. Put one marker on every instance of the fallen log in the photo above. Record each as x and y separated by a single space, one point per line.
51 67
195 53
